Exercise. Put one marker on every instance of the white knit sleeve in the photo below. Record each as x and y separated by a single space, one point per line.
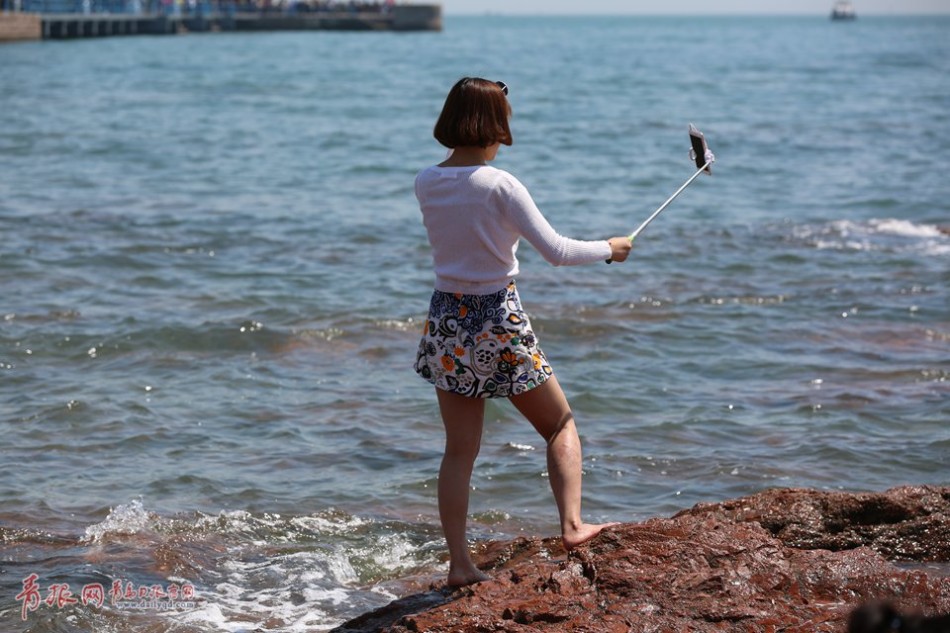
556 249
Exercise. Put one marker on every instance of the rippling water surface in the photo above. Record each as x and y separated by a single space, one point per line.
213 271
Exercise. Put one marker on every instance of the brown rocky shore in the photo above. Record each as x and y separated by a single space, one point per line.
789 560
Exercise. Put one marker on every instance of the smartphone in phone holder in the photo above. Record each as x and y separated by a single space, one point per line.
699 151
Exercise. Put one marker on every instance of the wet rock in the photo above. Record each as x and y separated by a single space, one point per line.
798 561
903 524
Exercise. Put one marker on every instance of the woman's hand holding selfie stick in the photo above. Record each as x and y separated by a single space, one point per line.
704 159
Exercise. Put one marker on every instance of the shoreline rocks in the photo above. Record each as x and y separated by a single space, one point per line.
791 560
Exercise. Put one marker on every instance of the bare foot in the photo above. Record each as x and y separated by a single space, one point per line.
467 577
583 533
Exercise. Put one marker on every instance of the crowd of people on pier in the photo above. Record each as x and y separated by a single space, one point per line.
178 7
313 6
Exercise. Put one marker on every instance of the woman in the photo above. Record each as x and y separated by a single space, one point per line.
478 342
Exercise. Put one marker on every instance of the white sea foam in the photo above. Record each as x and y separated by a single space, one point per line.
905 228
335 556
888 234
293 592
319 571
128 518
328 525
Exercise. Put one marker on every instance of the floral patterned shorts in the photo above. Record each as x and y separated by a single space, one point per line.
480 346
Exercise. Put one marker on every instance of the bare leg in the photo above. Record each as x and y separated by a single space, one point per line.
547 409
463 418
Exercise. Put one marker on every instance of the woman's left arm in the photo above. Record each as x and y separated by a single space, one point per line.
554 247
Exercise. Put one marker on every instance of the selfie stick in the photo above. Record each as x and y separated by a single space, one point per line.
640 228
708 158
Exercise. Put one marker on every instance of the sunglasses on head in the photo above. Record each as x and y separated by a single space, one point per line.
503 86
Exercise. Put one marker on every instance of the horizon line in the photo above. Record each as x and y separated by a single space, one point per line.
691 14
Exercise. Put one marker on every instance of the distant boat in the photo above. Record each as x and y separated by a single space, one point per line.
843 10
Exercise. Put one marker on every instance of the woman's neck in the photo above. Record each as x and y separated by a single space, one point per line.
470 156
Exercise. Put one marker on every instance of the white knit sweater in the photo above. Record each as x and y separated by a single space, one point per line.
475 216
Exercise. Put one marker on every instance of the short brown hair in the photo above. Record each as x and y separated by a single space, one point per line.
475 114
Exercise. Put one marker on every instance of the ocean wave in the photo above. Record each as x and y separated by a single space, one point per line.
128 518
280 572
886 235
248 570
303 573
907 228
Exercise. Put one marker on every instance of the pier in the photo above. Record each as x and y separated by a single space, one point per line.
168 18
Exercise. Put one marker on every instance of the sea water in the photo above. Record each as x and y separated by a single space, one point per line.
213 274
